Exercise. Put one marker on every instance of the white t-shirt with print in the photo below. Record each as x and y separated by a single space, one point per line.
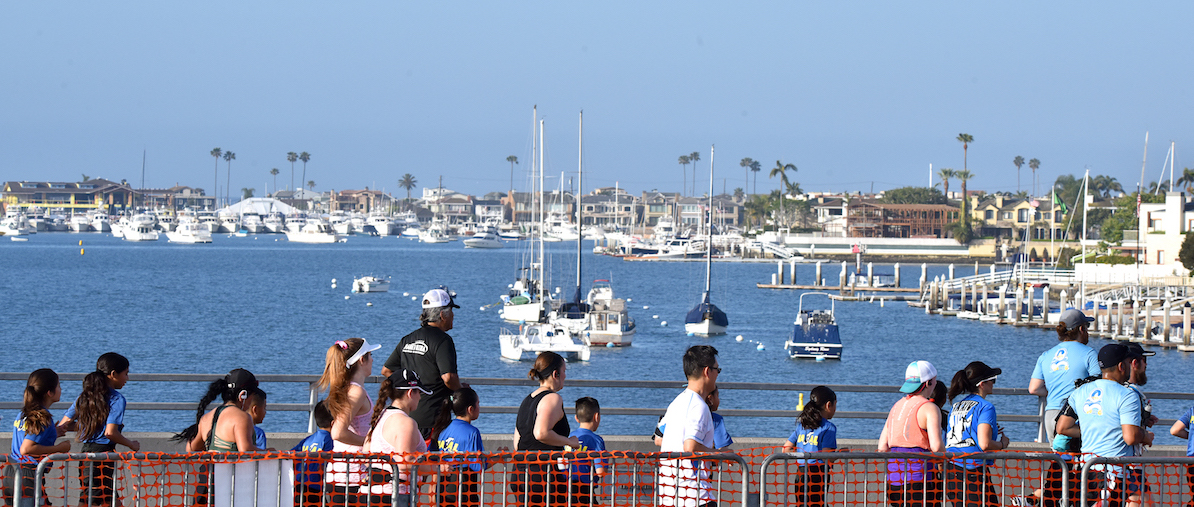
683 483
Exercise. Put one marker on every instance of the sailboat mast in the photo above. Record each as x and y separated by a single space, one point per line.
534 130
709 243
580 235
1085 182
542 273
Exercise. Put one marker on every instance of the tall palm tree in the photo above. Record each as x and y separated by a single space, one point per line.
246 192
1187 178
755 167
215 184
311 184
408 182
745 164
1018 161
965 139
684 160
292 157
512 160
274 172
945 174
304 156
694 157
782 170
228 157
1034 164
964 176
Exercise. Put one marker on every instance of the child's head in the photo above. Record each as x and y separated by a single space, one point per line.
323 418
463 404
822 405
255 404
714 399
41 391
588 413
115 369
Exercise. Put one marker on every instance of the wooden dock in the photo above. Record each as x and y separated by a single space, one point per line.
847 288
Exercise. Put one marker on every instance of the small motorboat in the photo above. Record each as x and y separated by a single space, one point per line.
815 334
371 284
536 338
484 240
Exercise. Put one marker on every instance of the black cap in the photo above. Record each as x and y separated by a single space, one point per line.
1136 349
407 379
240 379
978 371
1115 353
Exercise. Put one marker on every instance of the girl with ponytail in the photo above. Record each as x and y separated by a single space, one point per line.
814 433
394 432
34 433
347 364
972 429
229 427
458 436
98 417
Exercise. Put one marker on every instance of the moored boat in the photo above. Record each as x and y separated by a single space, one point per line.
371 283
531 339
815 332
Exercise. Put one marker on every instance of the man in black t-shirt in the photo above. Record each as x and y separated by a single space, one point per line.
430 352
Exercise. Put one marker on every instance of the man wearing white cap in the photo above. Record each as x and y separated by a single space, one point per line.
430 352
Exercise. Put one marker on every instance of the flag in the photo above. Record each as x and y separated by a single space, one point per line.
1058 204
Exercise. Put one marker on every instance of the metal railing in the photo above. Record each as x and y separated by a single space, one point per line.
1123 467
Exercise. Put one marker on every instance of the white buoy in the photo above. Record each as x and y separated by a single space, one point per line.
412 298
645 307
664 323
688 334
655 316
629 300
404 294
345 297
482 308
760 347
333 281
738 338
368 304
333 286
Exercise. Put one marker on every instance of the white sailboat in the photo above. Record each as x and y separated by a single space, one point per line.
706 319
528 299
371 283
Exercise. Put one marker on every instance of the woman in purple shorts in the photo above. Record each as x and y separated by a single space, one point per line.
913 425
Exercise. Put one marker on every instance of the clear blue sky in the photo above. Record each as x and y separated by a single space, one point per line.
851 93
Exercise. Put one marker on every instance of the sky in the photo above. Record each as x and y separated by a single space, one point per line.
857 95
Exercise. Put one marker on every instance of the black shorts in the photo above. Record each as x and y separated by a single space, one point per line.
98 478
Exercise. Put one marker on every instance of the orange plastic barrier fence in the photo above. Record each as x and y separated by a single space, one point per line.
1158 481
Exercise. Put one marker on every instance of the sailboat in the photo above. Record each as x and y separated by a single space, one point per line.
706 319
528 299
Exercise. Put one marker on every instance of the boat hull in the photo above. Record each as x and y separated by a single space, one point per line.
186 238
305 237
705 328
526 312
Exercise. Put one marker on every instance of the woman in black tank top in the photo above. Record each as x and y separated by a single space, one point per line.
542 426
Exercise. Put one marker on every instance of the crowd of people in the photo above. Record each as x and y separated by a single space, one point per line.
1094 407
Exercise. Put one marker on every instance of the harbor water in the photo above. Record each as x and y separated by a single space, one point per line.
264 304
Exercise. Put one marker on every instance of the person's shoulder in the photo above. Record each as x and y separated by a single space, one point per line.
828 425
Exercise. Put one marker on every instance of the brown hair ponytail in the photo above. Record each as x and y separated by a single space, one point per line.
41 383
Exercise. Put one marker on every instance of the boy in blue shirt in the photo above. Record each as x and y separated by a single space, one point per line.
308 474
585 473
256 409
721 437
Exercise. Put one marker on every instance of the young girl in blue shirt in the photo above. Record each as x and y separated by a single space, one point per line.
34 432
98 417
814 433
972 429
458 436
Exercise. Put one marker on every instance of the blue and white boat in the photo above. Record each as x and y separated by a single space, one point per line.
815 334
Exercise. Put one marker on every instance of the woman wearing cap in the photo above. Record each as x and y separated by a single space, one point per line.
394 432
1057 368
348 363
913 426
229 427
972 429
541 426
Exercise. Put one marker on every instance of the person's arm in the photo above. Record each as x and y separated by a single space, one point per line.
1179 429
451 381
930 418
112 431
985 432
883 445
1037 386
691 445
31 448
393 362
551 409
246 437
1134 434
1130 420
115 421
340 426
517 437
1068 426
788 446
445 361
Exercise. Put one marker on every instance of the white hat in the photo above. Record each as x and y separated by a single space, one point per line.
436 298
366 348
917 373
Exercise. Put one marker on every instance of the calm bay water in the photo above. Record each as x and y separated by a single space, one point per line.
268 306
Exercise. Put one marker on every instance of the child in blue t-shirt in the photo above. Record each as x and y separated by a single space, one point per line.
459 436
1181 429
585 472
308 474
34 432
255 406
721 437
814 433
100 424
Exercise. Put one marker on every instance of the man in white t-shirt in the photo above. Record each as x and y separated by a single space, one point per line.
688 427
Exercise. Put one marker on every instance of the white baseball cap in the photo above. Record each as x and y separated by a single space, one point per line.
917 373
436 298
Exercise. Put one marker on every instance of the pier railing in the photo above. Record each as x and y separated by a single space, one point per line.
308 383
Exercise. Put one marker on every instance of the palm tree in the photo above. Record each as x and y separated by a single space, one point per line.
745 164
965 139
86 177
793 188
694 157
1187 178
739 194
408 182
1018 161
684 160
946 173
228 157
782 170
755 167
1034 164
304 156
964 176
274 172
512 160
311 184
215 184
292 157
246 192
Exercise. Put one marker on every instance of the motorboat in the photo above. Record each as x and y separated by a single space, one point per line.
531 339
80 222
166 221
371 283
357 222
189 230
315 231
210 219
815 333
295 223
141 227
433 236
16 224
706 319
229 222
341 222
381 223
100 221
880 280
251 222
275 223
485 239
604 320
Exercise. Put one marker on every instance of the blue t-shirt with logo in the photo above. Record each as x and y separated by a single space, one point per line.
259 438
1060 366
309 473
462 437
721 437
1103 407
319 441
116 403
1187 420
589 441
815 440
964 419
47 437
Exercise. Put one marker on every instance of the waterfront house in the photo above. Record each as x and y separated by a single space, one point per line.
830 213
361 201
867 218
91 194
607 208
656 205
1162 228
489 209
